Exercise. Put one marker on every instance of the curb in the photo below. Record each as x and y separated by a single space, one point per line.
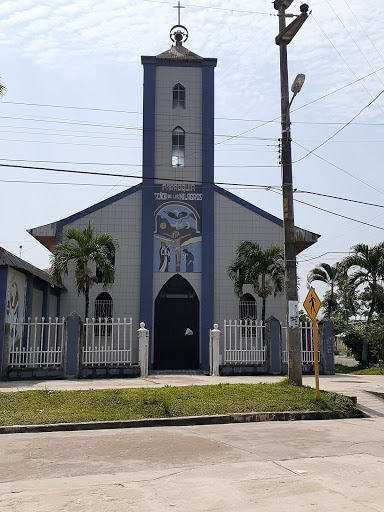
219 419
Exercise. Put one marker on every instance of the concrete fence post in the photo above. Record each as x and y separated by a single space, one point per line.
273 346
143 334
5 353
214 351
73 346
326 346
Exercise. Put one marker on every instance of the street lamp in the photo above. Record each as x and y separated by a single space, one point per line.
285 36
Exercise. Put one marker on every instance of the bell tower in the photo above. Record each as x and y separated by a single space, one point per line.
178 173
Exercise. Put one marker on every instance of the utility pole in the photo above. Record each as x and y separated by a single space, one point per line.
285 36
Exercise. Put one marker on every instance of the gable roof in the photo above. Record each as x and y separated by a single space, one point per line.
11 260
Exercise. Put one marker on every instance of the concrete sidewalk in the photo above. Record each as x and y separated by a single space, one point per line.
350 385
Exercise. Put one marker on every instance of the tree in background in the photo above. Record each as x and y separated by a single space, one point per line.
88 251
365 268
263 269
327 274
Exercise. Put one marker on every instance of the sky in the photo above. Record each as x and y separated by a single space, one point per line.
74 102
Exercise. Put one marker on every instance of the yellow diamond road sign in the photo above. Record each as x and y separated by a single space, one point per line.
312 304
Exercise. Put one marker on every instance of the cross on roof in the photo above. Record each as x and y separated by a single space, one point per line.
179 7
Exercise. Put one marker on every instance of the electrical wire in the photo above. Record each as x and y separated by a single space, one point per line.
338 214
321 255
342 170
345 62
341 129
215 8
246 186
353 39
336 197
363 29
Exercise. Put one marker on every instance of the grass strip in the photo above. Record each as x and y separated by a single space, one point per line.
359 370
47 406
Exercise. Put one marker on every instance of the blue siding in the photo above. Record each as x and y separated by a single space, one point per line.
3 295
146 275
207 285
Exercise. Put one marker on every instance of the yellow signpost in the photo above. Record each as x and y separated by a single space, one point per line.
312 305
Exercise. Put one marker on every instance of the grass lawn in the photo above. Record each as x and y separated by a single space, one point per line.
45 406
359 370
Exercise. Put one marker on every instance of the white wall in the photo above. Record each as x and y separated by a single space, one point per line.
233 224
122 219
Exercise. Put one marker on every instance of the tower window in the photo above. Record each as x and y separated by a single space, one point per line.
178 147
178 96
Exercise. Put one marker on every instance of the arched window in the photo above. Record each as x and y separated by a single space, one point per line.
178 147
103 310
178 96
99 274
247 307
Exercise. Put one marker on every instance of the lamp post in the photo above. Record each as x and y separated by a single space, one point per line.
284 37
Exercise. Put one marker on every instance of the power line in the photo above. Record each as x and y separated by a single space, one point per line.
231 184
339 214
363 29
122 127
94 173
342 128
345 62
342 170
194 116
215 8
324 254
353 39
340 198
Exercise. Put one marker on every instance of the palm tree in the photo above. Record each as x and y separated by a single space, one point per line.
88 251
263 269
367 267
329 275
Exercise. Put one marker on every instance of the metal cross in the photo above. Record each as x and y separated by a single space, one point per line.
179 7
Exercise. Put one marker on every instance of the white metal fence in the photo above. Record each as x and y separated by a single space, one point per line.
36 344
107 342
243 342
306 335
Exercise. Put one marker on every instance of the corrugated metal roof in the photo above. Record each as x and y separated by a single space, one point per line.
11 260
179 53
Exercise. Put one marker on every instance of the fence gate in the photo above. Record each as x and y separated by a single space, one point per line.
107 342
36 344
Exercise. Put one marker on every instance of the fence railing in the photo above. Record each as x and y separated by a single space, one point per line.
306 336
36 344
244 342
107 342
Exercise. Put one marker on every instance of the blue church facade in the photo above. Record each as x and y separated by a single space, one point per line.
177 231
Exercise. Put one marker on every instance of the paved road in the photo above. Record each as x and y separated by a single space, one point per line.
296 466
292 466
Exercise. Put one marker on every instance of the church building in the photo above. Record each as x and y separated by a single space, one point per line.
178 232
